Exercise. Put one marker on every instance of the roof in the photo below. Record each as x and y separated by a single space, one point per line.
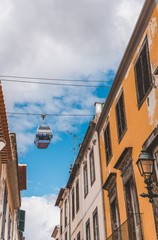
128 55
6 153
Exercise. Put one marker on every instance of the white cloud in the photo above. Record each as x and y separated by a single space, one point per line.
43 216
60 39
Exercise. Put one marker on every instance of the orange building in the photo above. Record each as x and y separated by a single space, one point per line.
129 124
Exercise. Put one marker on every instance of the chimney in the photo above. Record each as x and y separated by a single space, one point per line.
98 107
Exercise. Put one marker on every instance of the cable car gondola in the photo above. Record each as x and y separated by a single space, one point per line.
44 135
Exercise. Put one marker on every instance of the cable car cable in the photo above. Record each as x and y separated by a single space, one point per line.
52 79
50 114
55 84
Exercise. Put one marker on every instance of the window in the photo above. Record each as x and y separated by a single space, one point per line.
9 228
156 164
155 189
111 187
78 236
73 204
115 220
85 175
95 225
4 213
107 139
88 233
124 164
77 197
92 167
61 220
120 117
65 212
21 220
66 236
133 214
143 74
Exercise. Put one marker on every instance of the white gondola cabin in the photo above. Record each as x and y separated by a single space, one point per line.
43 136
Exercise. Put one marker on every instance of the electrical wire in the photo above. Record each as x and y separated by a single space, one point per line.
51 79
55 84
50 114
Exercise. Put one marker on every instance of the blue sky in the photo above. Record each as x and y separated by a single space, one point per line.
61 39
48 169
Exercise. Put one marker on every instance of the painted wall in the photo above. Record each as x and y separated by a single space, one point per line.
94 198
140 123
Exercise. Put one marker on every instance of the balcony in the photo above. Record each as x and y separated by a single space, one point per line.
131 229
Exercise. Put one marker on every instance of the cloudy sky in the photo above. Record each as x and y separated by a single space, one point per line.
63 39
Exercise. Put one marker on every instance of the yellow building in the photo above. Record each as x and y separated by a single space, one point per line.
129 124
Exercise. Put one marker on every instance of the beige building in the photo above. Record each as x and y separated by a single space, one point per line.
56 232
81 201
12 180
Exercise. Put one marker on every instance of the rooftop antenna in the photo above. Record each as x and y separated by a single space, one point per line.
74 143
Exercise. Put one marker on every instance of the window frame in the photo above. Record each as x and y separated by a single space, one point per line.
144 47
61 220
65 235
65 211
73 203
120 112
96 228
108 143
88 230
77 196
155 155
92 166
115 218
78 236
85 179
4 211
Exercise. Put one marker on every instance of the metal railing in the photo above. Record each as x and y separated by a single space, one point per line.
131 229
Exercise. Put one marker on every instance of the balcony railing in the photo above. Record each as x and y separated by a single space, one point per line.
131 229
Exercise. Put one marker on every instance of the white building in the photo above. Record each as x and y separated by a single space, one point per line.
81 200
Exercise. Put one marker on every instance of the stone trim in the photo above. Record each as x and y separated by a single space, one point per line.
124 164
110 186
152 141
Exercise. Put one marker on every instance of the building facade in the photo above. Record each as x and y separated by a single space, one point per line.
10 183
56 232
81 201
129 124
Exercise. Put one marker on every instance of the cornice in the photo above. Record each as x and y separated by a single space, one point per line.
60 196
110 181
121 162
83 148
